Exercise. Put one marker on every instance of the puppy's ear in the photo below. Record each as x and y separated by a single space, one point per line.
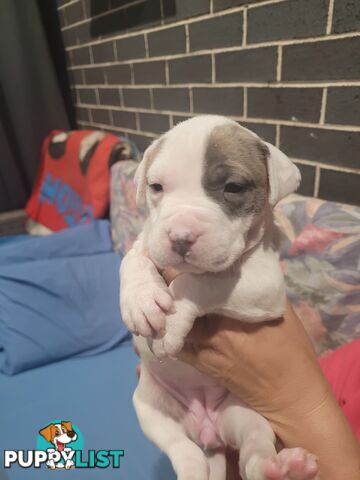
48 433
284 176
67 426
141 171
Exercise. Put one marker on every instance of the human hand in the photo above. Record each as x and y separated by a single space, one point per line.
273 368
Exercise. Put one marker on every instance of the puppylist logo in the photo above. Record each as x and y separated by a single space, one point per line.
60 446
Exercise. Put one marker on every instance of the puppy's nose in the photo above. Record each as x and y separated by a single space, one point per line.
71 433
181 240
181 246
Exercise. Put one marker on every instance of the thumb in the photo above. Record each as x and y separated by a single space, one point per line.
202 331
189 354
198 341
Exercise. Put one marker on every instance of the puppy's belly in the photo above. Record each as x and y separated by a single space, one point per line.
200 406
186 394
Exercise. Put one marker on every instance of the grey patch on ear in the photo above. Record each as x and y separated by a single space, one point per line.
237 159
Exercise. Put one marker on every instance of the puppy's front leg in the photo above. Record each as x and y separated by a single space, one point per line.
51 463
144 295
191 300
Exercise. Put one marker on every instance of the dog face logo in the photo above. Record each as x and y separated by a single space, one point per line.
59 434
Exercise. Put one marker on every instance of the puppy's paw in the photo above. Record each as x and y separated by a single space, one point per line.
291 464
167 346
69 464
145 309
173 344
156 345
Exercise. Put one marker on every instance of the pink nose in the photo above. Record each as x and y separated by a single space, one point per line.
182 240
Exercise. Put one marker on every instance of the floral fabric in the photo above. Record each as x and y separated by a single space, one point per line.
320 256
126 218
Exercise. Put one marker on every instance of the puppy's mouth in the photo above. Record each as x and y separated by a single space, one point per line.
197 263
60 446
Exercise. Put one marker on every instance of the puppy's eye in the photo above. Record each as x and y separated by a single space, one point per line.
156 187
57 432
234 188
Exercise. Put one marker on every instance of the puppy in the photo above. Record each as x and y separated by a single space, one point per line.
210 186
59 434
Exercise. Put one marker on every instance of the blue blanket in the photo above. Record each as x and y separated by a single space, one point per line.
58 297
95 393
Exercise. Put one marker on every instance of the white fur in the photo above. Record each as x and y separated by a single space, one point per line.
231 269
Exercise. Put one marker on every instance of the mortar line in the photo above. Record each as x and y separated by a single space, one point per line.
330 17
245 104
244 38
317 181
162 11
341 83
121 97
146 40
137 119
265 121
205 17
167 73
213 69
62 7
236 48
115 50
323 106
191 97
325 166
277 135
187 38
279 63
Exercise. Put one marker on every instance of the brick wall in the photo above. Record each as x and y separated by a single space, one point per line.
287 69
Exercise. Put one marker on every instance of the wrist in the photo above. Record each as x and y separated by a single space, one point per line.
325 432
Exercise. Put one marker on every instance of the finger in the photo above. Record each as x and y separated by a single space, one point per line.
203 330
232 465
188 354
169 274
197 357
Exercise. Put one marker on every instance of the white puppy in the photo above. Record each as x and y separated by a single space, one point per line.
210 186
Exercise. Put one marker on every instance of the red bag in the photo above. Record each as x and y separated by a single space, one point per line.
72 185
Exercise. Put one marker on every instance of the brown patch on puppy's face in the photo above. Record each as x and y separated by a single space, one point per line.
67 426
235 173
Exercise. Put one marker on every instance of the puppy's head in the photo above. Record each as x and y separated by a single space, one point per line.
207 182
59 434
